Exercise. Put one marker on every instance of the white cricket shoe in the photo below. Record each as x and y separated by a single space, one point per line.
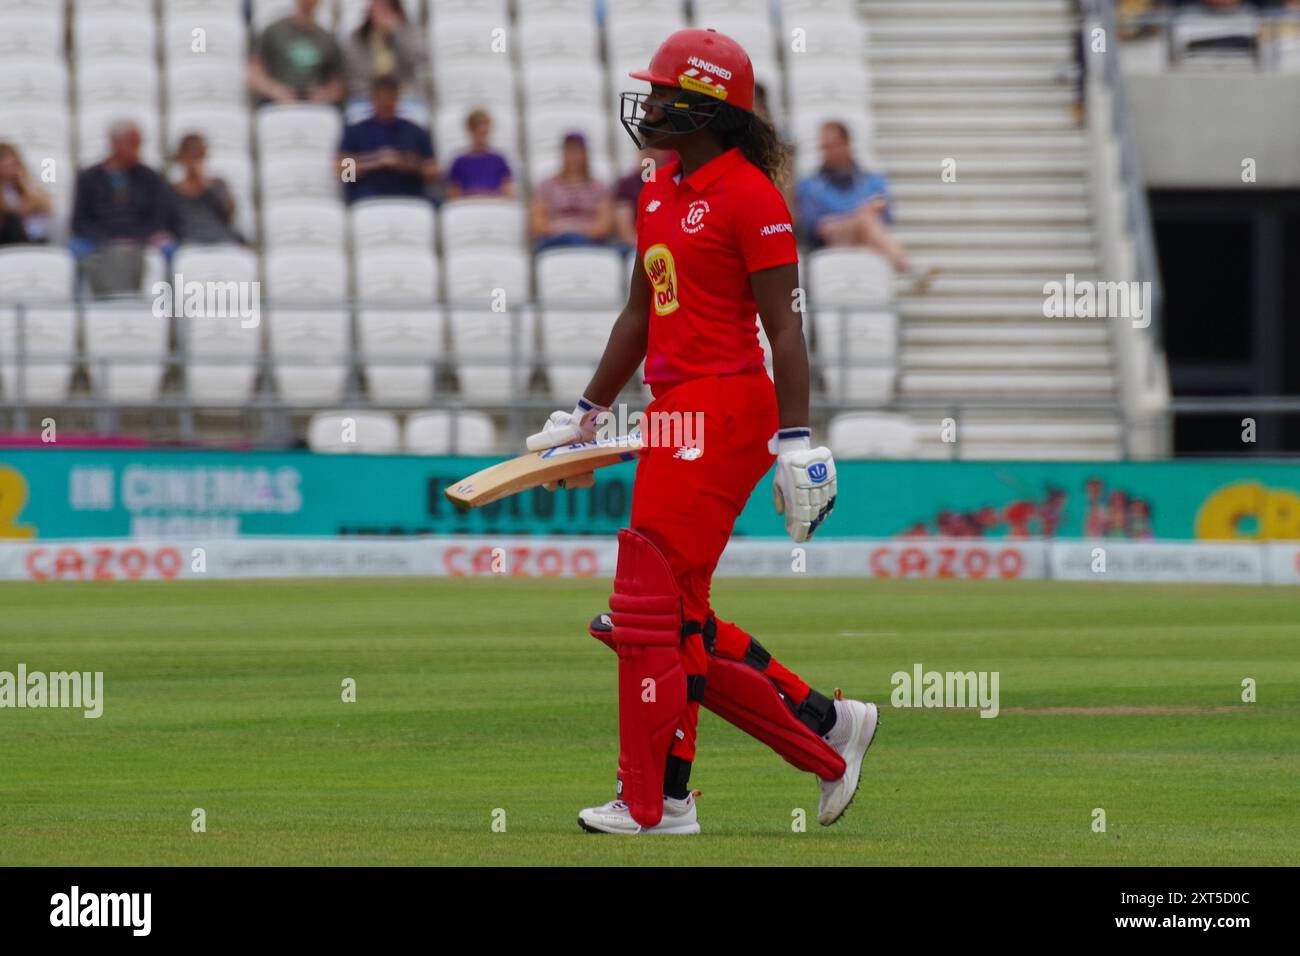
855 728
614 817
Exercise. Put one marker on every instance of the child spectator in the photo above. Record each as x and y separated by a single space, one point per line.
480 171
571 208
296 60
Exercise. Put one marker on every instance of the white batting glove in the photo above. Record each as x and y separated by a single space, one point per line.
804 488
569 428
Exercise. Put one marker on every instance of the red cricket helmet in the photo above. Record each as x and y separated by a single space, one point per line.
703 61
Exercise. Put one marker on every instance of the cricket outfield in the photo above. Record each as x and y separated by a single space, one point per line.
484 719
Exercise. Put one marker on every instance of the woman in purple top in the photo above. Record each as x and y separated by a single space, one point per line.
479 172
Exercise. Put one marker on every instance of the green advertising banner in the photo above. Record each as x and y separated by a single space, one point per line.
57 493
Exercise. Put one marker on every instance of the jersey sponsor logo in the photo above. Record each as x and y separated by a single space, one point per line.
708 67
774 228
652 205
693 221
661 270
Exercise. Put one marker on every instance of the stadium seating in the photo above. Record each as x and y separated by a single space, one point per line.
443 432
422 286
354 432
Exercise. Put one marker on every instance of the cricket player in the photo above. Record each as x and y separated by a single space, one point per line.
715 247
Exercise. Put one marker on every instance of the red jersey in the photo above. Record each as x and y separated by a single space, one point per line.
698 240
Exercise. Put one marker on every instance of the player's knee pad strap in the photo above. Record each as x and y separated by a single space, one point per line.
646 614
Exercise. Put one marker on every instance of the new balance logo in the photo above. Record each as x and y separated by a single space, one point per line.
652 205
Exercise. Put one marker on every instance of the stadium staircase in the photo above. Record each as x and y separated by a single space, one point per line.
991 85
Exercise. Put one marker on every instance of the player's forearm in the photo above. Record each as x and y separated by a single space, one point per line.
623 353
790 370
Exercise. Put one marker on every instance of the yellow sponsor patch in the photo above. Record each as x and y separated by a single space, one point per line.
712 89
662 273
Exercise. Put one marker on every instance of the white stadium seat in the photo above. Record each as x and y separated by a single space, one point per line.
398 348
125 347
136 7
221 357
298 223
224 38
488 85
33 81
213 8
573 342
36 274
216 263
32 32
482 223
635 33
298 177
310 350
392 223
552 10
38 130
298 130
443 432
830 38
299 276
841 9
572 85
857 353
402 279
848 277
210 81
580 277
49 345
871 435
486 279
359 432
706 11
113 35
563 40
112 81
483 343
456 38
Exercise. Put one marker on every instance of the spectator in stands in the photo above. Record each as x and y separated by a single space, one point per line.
843 205
479 171
393 156
386 44
628 190
121 199
296 60
25 205
204 208
121 206
571 208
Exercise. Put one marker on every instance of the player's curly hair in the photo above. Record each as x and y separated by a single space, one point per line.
757 139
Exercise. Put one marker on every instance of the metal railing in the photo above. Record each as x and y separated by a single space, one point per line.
834 365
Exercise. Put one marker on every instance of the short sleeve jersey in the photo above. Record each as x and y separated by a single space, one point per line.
698 239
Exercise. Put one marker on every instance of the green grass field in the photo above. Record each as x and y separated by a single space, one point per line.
474 696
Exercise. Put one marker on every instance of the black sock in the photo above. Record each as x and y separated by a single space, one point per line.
676 775
828 722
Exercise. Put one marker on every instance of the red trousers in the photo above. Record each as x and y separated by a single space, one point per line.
686 499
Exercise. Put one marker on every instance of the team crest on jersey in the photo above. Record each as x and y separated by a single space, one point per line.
693 221
661 270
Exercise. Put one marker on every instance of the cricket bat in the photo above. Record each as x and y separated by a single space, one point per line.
540 467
